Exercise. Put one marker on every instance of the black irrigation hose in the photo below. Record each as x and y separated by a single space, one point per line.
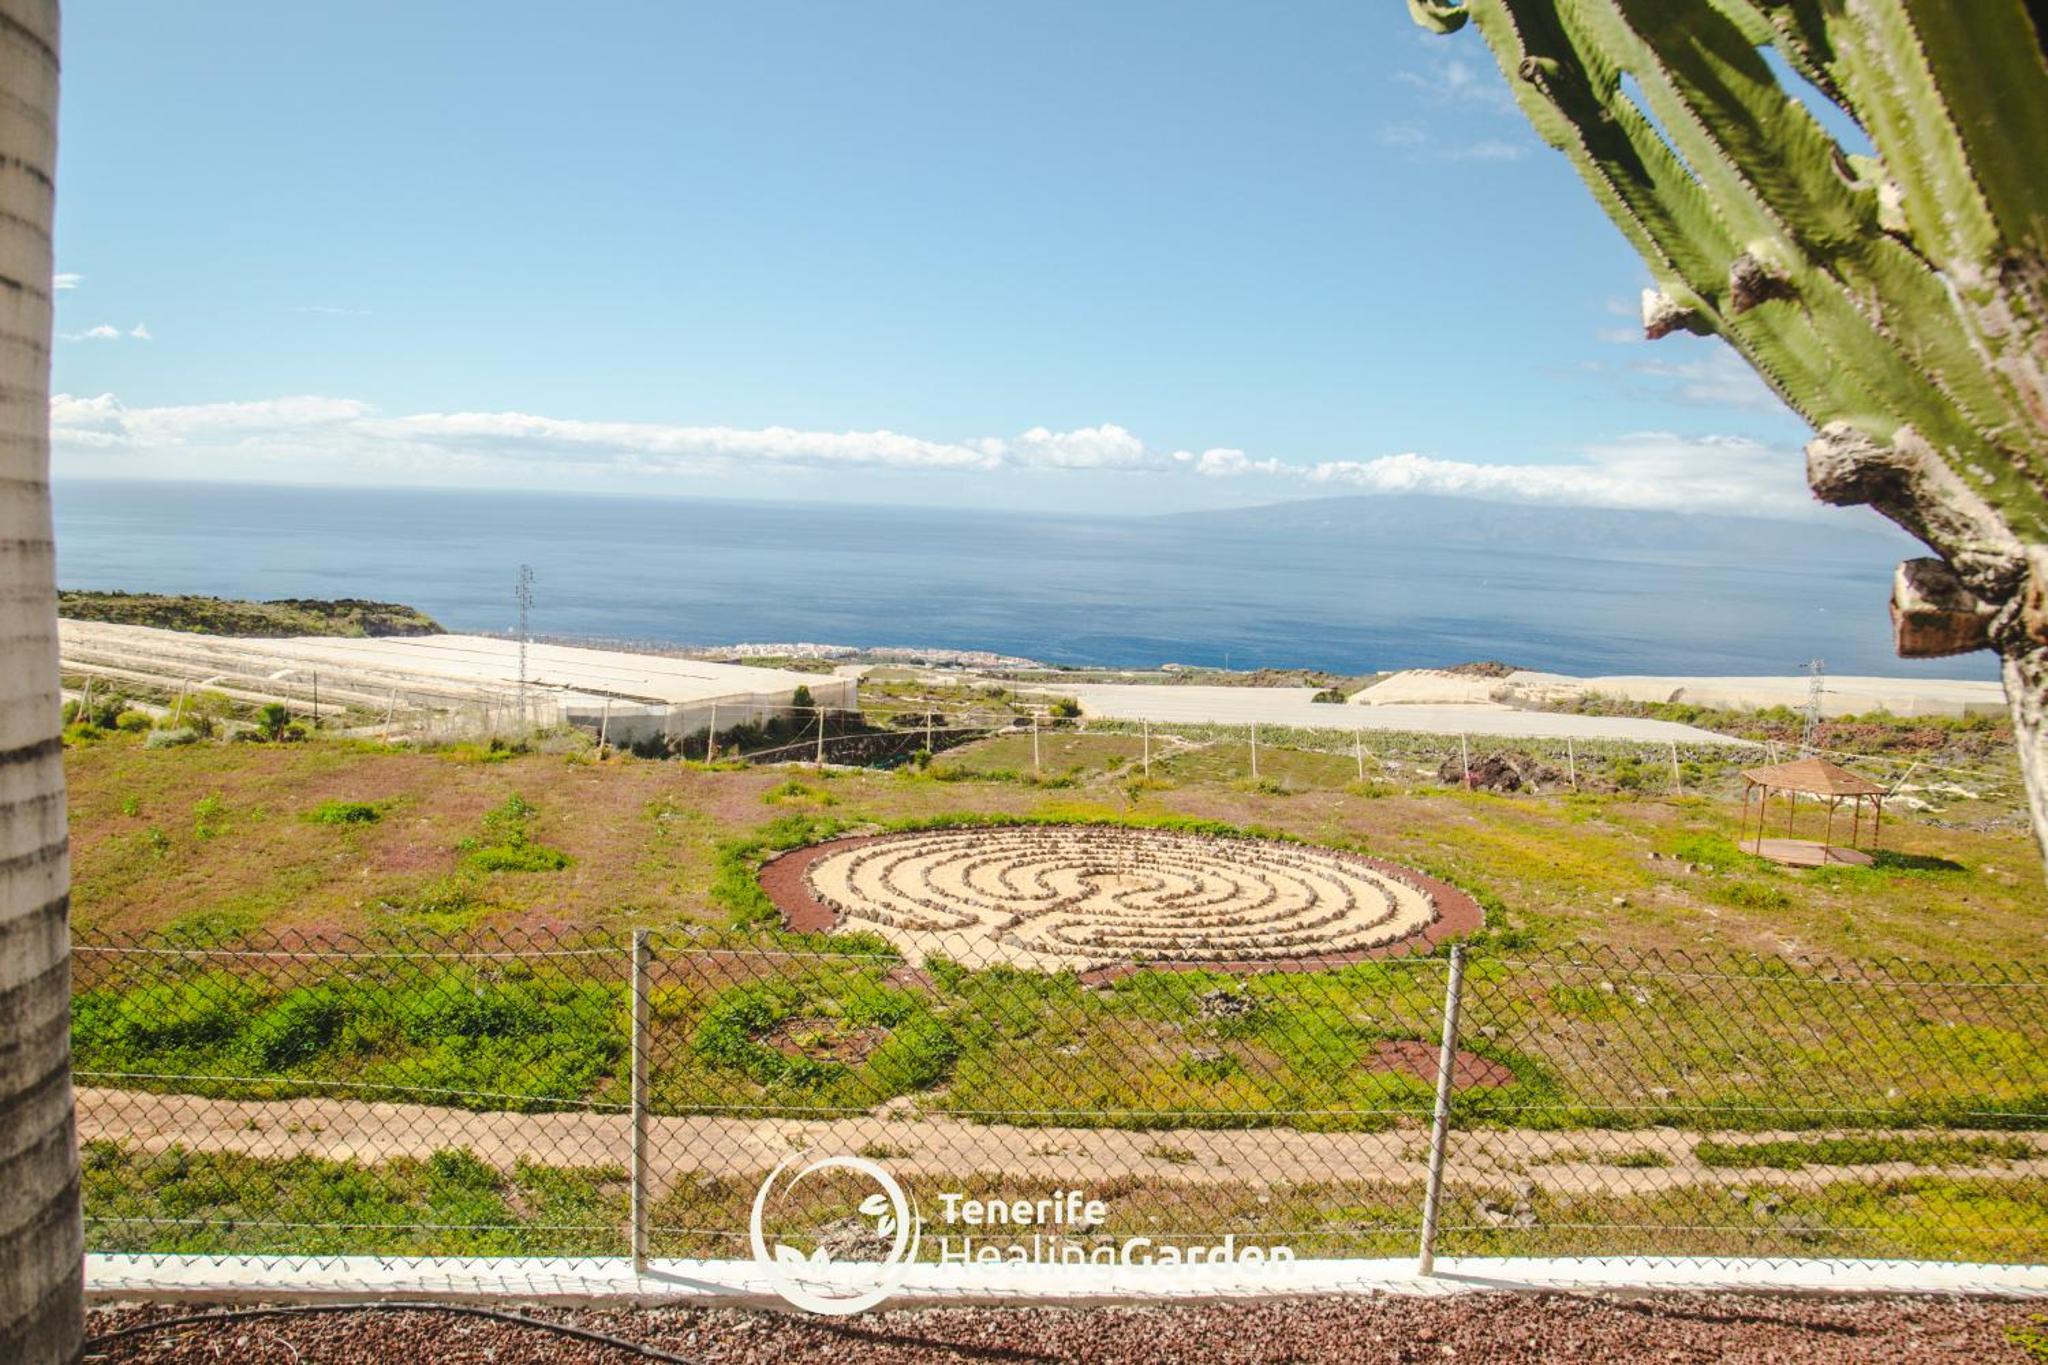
397 1305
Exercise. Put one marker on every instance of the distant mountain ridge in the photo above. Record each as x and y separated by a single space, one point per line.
1407 518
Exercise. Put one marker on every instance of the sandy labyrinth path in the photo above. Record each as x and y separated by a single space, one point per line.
356 1130
1054 897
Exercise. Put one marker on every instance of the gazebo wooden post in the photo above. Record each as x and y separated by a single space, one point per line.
1826 782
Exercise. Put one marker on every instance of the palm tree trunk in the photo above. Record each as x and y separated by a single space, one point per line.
41 1238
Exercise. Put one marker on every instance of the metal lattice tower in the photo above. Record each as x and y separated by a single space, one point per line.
524 592
1816 684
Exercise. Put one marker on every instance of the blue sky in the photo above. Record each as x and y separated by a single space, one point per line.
1127 257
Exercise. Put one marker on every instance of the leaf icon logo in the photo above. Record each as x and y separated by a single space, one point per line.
895 1220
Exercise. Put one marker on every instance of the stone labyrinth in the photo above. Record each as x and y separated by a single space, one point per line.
1082 897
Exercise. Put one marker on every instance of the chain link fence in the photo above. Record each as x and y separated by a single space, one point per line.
417 1096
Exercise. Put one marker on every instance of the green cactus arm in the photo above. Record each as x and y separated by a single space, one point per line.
1954 94
1570 88
1869 335
1898 302
1798 30
1771 167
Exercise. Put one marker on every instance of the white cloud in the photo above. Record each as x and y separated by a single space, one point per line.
66 280
312 437
1450 79
1419 142
1225 463
344 430
1485 149
106 331
1650 470
1718 378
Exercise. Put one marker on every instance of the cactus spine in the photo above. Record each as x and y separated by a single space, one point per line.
1898 303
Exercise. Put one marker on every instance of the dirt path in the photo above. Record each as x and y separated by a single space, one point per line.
356 1130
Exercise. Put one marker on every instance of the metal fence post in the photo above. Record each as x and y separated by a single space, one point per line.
1440 1121
642 959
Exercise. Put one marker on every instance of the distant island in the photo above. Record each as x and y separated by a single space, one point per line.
225 616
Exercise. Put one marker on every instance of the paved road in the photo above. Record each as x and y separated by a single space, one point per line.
1190 704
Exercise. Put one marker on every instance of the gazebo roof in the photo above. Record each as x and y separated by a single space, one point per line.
1814 777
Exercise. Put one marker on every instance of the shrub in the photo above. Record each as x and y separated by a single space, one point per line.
1064 708
209 816
171 739
346 813
134 722
793 790
728 1035
510 846
1749 895
194 1012
297 1028
919 1054
272 718
518 858
206 709
801 697
445 903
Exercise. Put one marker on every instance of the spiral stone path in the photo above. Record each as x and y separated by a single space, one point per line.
1082 897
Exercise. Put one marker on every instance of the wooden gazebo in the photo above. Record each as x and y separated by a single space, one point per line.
1823 781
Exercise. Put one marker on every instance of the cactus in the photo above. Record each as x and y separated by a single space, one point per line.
1898 303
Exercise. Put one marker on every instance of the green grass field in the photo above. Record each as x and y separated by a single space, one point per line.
329 839
193 1203
228 838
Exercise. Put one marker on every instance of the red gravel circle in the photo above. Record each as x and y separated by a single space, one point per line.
1418 1059
1457 914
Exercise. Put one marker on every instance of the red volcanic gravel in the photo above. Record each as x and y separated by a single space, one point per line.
1494 1327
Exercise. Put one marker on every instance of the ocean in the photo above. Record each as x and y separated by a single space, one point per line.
1351 585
